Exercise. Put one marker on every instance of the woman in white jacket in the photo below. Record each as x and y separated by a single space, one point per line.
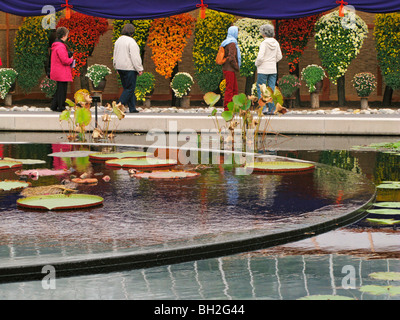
269 55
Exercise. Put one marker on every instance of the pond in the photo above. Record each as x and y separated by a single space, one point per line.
222 203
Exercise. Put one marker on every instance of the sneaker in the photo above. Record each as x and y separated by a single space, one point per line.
134 111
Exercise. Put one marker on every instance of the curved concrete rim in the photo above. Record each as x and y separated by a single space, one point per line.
32 269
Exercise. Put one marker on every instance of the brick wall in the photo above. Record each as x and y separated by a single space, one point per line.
365 62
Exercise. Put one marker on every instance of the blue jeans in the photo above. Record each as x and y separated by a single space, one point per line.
128 80
270 81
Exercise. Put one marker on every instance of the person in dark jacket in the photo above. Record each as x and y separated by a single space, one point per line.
231 65
60 68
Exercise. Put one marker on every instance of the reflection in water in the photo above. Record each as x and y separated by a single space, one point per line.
307 267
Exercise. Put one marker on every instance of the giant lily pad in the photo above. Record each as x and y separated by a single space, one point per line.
389 185
8 185
379 290
280 166
326 297
8 164
141 163
384 211
26 161
167 174
383 221
71 154
387 276
387 204
119 155
60 201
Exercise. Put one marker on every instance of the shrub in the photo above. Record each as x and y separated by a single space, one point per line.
144 85
288 85
312 74
181 84
364 83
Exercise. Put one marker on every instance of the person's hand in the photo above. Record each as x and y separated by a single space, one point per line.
140 73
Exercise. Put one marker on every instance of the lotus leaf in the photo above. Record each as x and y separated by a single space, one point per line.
379 290
211 98
60 201
388 276
83 116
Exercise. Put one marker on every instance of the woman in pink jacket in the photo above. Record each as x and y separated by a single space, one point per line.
60 68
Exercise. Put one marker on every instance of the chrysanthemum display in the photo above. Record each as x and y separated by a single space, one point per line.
209 34
167 39
7 78
293 37
339 41
48 87
387 43
312 74
84 34
288 85
97 72
364 83
31 50
249 40
181 84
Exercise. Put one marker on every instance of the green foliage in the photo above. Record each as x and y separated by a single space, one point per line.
31 50
7 78
364 83
387 44
181 84
209 33
312 74
144 85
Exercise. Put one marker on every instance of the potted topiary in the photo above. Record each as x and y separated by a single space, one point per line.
48 87
145 87
181 85
8 77
97 74
364 83
288 86
313 76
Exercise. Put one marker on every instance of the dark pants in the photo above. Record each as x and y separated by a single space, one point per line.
128 80
58 103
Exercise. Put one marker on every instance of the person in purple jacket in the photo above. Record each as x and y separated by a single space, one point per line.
60 68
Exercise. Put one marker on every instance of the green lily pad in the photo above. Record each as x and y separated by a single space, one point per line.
60 201
26 161
8 164
141 163
383 221
71 154
379 290
384 211
280 166
8 185
325 297
167 174
119 155
388 276
387 204
389 185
